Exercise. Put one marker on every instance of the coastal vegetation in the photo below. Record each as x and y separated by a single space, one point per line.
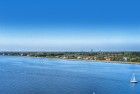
97 56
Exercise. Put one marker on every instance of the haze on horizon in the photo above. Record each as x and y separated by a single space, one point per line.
72 25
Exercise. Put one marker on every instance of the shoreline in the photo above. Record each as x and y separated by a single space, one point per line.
108 57
97 61
92 61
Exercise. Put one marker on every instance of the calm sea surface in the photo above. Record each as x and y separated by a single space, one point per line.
24 75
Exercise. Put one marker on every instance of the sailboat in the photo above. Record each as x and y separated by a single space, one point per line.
133 79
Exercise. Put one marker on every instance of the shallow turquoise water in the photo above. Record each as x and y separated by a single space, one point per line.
24 75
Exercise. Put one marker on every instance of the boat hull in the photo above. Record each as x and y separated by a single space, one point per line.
134 81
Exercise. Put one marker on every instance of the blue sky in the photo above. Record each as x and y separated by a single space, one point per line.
70 25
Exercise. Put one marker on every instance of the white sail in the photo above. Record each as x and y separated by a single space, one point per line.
133 80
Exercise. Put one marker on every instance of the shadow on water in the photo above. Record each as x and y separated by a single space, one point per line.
133 88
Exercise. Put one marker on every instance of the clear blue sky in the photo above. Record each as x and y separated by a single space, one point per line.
70 25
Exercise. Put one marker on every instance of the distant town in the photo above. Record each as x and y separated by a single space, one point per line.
124 57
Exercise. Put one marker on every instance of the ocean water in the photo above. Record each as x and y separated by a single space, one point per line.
25 75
